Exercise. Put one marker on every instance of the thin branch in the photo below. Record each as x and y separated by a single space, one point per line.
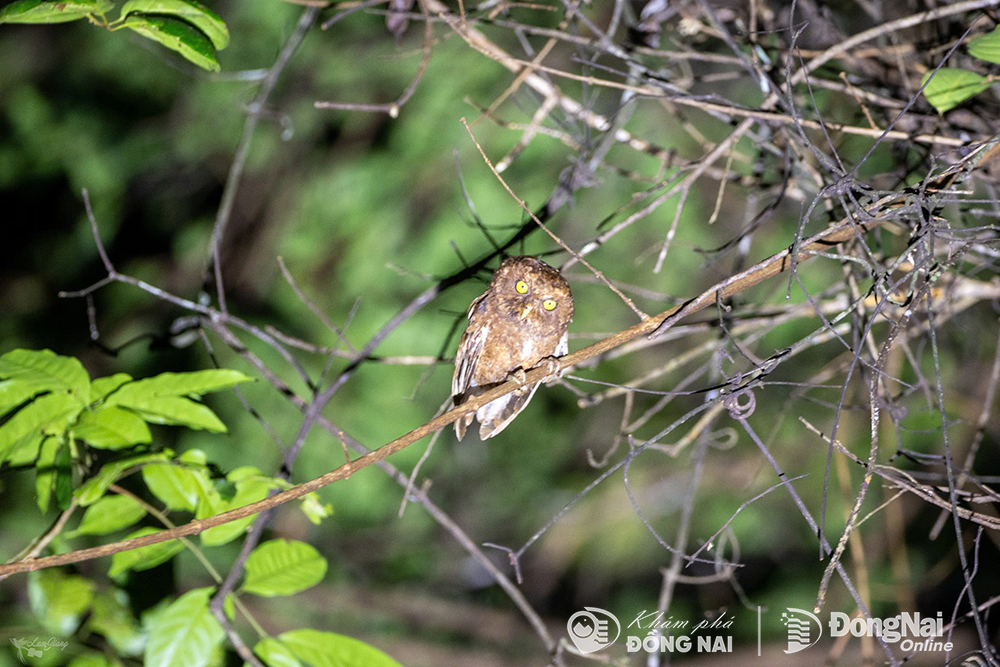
255 110
573 253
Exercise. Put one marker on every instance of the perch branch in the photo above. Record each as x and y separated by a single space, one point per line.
777 263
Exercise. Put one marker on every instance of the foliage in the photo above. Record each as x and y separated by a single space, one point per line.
111 413
948 87
185 26
58 414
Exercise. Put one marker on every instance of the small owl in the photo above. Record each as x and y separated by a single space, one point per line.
520 320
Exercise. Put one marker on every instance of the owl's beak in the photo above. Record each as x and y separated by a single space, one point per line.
527 309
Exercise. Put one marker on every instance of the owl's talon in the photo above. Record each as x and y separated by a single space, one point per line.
552 367
518 376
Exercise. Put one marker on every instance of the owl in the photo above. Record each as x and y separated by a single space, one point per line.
519 321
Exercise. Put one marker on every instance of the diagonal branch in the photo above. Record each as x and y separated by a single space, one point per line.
777 263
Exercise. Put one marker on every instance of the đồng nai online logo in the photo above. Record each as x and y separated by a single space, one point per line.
912 631
594 629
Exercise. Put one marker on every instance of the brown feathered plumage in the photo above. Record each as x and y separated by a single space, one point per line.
521 319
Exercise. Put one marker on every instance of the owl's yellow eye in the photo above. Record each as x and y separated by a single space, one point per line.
521 287
549 304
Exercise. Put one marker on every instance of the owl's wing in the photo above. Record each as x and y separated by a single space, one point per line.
494 416
470 347
562 347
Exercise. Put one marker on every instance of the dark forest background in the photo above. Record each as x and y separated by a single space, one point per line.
669 147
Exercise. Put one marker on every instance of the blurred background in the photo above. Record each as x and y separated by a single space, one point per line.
367 211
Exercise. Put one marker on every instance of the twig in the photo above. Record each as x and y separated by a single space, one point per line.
255 110
573 253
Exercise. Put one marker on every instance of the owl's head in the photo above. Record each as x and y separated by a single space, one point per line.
532 291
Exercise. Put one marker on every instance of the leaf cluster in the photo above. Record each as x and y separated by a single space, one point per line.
948 87
185 632
57 417
56 413
185 26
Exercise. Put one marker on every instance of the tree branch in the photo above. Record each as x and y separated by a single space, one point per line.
772 266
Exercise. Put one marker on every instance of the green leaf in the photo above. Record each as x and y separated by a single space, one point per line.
315 510
186 634
251 486
179 488
45 370
275 654
143 558
193 12
178 411
177 35
161 399
95 487
49 414
29 372
986 47
59 600
112 617
25 451
101 387
15 392
182 485
111 427
64 477
282 567
177 384
45 471
194 457
39 11
328 649
950 87
107 515
151 616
